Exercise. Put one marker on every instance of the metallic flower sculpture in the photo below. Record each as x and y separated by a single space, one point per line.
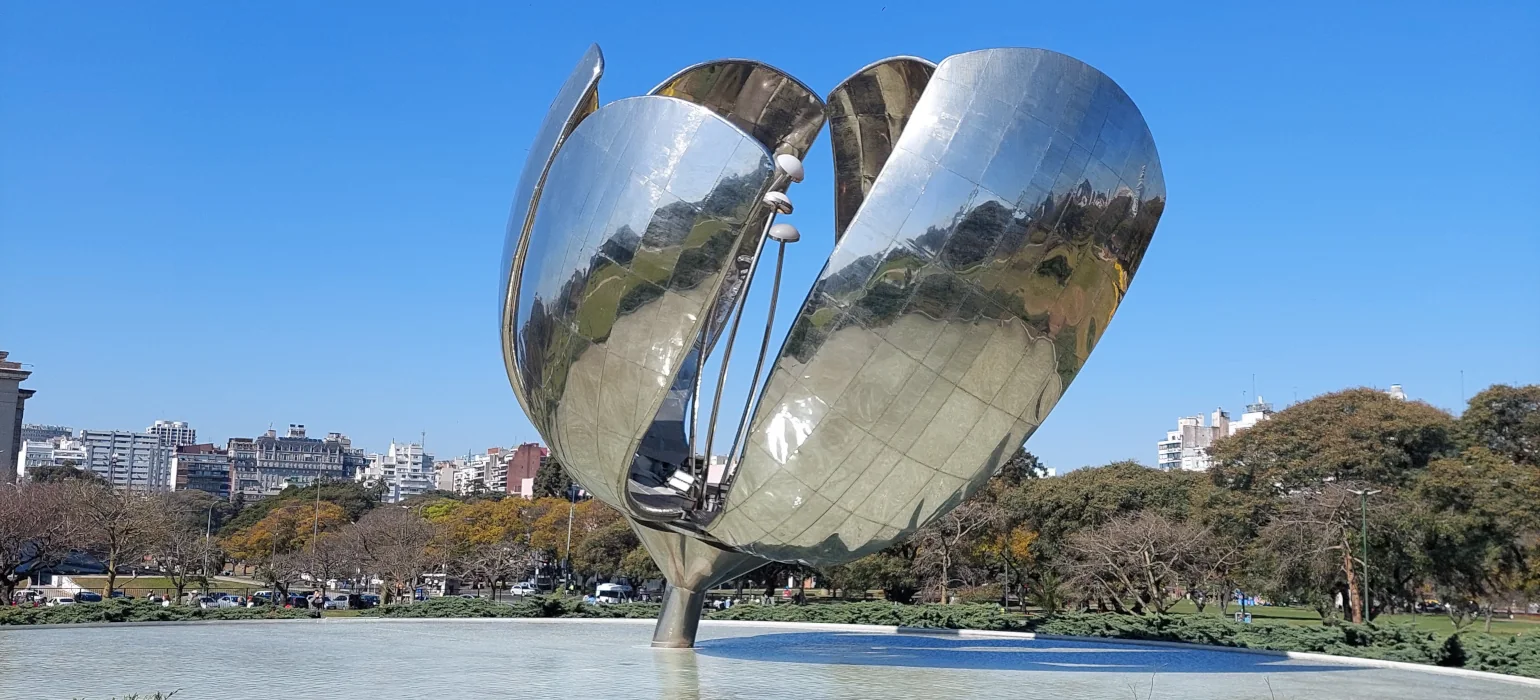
989 214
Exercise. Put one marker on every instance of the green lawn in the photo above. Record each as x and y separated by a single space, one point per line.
1438 623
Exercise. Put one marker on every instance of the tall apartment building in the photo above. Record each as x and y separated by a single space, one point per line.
487 471
55 452
31 432
1186 448
265 465
405 470
13 404
523 464
173 433
495 477
134 461
444 474
203 468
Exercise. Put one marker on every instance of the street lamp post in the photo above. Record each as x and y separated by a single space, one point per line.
567 553
1363 519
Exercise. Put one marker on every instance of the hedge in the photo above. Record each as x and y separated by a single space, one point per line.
966 616
546 606
121 610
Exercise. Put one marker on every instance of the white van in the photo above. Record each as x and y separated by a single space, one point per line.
612 593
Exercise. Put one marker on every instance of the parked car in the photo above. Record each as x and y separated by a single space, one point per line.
120 593
206 601
88 597
27 596
60 600
368 600
346 601
612 593
524 588
229 601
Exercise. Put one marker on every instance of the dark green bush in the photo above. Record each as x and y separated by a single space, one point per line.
546 606
967 616
1518 655
121 610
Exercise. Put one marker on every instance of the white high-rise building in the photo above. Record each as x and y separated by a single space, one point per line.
405 470
173 433
487 471
1186 448
57 452
135 461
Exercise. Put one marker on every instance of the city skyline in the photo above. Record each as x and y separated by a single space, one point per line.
327 234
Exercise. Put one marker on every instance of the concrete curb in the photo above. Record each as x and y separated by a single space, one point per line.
839 627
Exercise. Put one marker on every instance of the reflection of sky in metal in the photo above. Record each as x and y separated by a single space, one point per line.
609 659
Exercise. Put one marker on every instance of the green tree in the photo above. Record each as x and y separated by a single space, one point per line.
1480 506
55 473
890 571
1360 435
551 480
1091 497
602 552
1022 465
353 498
1505 420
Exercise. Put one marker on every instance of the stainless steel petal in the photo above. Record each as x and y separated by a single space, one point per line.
979 272
642 210
867 114
785 116
777 109
770 105
578 97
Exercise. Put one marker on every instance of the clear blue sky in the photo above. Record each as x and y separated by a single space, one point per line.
243 214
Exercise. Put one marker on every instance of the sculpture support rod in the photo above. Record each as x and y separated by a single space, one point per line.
764 346
679 618
727 352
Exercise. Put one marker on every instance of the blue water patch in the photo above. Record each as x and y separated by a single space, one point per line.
931 651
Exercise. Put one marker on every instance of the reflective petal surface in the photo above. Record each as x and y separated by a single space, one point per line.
643 208
978 273
867 113
578 97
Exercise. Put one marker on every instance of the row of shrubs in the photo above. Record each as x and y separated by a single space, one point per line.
122 610
546 606
983 617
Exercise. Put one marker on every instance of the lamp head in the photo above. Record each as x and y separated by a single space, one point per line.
791 165
785 233
779 201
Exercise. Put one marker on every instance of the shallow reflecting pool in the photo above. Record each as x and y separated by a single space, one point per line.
374 659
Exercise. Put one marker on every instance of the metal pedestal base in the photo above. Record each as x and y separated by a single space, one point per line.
679 619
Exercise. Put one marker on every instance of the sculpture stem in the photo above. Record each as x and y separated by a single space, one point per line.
679 618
